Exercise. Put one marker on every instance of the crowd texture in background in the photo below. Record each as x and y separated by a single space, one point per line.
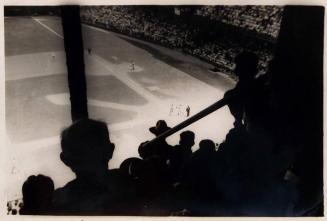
213 33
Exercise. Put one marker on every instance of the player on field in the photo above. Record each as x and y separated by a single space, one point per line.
188 109
132 66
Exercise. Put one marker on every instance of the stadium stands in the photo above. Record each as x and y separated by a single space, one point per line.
261 19
259 25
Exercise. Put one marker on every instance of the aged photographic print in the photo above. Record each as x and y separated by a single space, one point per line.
170 110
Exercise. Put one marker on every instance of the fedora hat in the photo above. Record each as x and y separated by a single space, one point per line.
161 127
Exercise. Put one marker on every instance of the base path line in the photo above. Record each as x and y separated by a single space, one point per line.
49 29
122 76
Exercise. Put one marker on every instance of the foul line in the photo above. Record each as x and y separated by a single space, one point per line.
121 76
49 29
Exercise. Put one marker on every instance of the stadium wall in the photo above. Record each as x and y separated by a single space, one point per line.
31 10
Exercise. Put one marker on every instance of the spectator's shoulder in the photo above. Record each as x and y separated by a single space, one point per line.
174 149
117 178
65 189
114 173
64 196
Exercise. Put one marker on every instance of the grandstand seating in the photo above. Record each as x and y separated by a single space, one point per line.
261 19
137 22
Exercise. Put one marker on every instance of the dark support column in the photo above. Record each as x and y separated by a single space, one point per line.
75 61
297 89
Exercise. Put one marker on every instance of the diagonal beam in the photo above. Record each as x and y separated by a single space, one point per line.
219 104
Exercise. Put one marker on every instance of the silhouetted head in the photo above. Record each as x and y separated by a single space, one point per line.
246 65
37 194
86 147
133 167
207 145
187 139
161 127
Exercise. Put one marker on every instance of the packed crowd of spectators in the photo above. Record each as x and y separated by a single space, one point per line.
127 20
223 51
146 25
261 19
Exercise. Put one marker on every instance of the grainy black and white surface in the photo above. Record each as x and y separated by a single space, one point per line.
145 63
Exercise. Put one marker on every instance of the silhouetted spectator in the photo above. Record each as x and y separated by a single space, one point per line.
198 179
182 153
37 195
158 149
199 171
132 167
156 155
247 102
142 173
149 185
229 159
86 149
250 174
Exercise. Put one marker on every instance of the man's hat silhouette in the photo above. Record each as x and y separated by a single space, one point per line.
161 127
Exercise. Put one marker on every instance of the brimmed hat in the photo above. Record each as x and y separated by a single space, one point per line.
161 127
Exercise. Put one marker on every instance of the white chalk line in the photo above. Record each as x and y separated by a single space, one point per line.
120 75
123 76
48 28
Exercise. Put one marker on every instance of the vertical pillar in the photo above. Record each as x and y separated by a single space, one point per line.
75 61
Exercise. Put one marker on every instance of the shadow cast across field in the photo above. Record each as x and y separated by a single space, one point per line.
109 88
